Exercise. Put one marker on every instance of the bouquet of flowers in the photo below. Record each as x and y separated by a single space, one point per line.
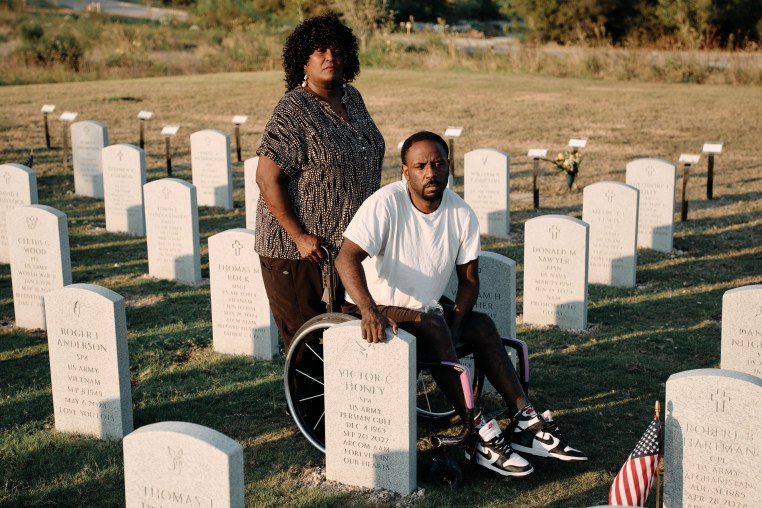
568 163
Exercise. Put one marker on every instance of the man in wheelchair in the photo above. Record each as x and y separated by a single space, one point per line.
396 259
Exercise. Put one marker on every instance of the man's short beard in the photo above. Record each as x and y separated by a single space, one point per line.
435 197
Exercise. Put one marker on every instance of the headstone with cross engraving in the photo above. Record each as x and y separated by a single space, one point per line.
182 464
611 211
655 179
555 271
124 174
251 191
19 189
89 362
88 138
212 169
742 330
172 230
497 297
370 426
241 320
486 188
713 439
40 261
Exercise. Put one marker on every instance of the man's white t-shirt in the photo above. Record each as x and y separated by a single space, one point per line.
412 254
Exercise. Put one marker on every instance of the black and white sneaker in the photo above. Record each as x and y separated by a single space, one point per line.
539 435
495 453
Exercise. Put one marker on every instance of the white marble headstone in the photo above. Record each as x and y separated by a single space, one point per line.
124 174
555 271
242 323
89 362
19 188
40 260
88 138
212 169
655 179
486 188
742 330
611 211
370 416
172 230
251 191
173 464
713 439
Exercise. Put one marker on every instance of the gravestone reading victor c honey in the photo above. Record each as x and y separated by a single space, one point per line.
655 179
486 188
88 138
212 169
40 261
370 415
742 330
19 188
713 440
89 362
251 191
172 464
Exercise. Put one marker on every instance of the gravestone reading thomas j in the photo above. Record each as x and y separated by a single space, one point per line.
19 188
555 271
124 174
370 426
713 440
172 464
211 168
89 362
486 188
742 330
40 261
172 230
251 191
655 179
241 320
87 140
611 211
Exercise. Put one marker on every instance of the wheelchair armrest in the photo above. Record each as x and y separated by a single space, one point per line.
522 355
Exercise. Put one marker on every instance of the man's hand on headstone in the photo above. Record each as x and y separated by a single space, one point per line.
374 325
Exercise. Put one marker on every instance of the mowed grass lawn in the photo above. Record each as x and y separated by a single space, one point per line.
601 383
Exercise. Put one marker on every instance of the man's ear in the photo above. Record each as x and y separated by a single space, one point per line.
405 173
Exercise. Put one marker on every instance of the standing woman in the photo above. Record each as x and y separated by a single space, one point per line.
320 157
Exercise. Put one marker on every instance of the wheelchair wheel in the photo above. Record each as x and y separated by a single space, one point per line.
431 403
303 377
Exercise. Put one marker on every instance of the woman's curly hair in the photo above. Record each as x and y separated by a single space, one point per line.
320 32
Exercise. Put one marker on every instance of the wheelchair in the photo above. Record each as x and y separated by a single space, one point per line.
303 376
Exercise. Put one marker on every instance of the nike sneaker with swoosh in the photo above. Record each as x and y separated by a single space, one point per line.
495 453
539 435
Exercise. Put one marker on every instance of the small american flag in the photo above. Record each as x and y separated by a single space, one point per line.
633 483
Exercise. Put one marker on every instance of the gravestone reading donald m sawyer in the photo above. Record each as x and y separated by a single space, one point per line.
370 426
172 230
19 188
241 320
655 179
211 168
89 362
88 138
486 188
742 330
611 211
172 464
40 260
555 271
713 440
124 174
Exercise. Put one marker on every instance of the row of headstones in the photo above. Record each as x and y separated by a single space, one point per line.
100 170
486 188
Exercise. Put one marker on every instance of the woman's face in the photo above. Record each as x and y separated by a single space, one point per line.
325 66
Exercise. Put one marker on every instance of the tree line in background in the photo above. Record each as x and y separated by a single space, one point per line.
665 23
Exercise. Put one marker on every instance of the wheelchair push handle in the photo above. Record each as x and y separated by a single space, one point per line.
328 273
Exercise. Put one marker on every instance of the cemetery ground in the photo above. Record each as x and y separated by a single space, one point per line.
600 383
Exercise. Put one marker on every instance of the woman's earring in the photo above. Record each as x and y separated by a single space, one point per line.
304 83
344 85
